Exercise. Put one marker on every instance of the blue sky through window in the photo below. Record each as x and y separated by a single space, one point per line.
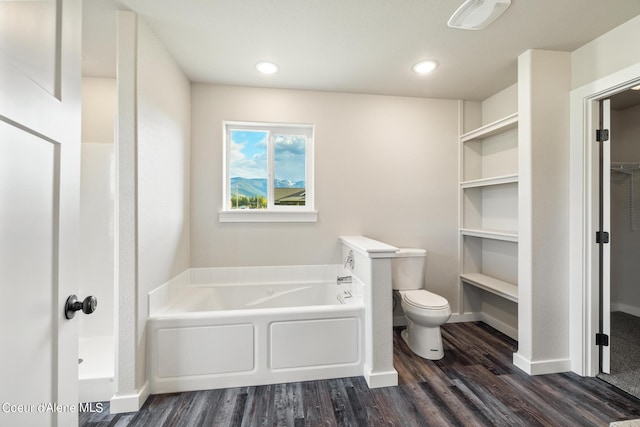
248 154
248 157
267 165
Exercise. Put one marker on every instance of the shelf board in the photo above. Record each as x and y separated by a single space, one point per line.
507 236
490 284
486 182
491 129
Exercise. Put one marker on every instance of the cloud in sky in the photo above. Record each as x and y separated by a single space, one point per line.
290 157
248 155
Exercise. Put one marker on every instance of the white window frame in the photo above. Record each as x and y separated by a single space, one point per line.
272 213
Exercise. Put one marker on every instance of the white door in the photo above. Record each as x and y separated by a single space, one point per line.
605 199
39 189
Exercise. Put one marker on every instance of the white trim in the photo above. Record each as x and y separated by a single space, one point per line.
583 267
491 284
129 402
465 317
380 379
369 247
264 215
460 203
629 309
490 181
503 327
505 236
273 213
491 129
541 367
401 320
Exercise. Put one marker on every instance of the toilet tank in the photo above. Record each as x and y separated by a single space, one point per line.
407 269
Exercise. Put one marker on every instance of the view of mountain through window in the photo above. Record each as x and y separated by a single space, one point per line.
266 168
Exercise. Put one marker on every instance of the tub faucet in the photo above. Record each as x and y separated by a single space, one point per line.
350 261
344 279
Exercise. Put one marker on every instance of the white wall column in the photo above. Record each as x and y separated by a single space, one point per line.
372 265
544 82
126 398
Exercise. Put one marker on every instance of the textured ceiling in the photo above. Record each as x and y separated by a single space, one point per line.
361 46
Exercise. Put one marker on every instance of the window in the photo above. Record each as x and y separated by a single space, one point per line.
268 173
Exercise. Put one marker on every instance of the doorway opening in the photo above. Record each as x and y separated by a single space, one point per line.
584 256
619 270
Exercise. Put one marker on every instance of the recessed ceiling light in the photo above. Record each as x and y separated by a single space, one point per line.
477 14
425 67
267 67
636 87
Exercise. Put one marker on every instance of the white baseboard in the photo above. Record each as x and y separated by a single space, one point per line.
455 318
380 379
627 423
96 389
629 309
505 328
541 367
464 317
131 402
399 321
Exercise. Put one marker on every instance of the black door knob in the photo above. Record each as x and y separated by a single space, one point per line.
88 306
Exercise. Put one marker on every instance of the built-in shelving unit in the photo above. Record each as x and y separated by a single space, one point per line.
490 234
489 207
496 286
486 182
494 128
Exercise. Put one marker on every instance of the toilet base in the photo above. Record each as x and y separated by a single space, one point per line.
423 341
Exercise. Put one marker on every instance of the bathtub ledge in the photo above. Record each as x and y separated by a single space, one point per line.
369 247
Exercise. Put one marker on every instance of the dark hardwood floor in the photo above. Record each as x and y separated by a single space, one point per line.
475 384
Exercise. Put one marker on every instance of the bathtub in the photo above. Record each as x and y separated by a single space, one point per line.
208 336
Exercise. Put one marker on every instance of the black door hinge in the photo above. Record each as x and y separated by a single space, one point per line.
602 135
602 339
602 237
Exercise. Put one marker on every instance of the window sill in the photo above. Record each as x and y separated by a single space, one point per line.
267 216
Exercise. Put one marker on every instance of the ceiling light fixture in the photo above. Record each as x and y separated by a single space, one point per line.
477 14
636 87
267 67
425 67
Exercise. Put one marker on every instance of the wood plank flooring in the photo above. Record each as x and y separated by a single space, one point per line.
475 384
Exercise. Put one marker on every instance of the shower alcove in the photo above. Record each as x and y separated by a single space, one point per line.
97 194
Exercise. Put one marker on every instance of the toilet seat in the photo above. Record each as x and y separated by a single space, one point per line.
421 298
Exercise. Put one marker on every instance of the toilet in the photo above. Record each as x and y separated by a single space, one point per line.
425 311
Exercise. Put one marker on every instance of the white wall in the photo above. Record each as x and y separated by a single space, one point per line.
385 167
164 127
128 396
500 105
96 261
609 53
163 136
98 110
153 191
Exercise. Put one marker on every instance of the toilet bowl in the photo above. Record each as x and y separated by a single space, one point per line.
425 311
